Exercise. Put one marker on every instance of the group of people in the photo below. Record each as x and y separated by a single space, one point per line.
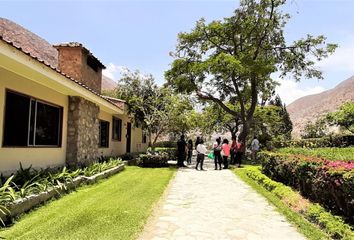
223 152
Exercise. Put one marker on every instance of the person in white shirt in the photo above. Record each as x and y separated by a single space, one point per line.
201 152
254 148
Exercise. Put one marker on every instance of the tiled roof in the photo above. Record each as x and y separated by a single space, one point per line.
37 48
29 42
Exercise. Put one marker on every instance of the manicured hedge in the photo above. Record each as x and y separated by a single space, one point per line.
153 161
170 152
330 141
330 183
332 225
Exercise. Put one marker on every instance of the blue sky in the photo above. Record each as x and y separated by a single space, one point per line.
140 34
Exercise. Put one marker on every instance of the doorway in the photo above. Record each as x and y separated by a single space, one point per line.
129 137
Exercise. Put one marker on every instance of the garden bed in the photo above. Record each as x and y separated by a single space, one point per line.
297 209
330 183
33 193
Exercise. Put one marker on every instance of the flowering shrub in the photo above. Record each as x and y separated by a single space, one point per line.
331 224
330 183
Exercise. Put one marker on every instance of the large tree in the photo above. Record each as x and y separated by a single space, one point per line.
158 110
214 119
231 60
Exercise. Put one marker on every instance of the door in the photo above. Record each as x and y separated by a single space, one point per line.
129 137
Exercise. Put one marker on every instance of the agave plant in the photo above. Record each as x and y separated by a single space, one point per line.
6 195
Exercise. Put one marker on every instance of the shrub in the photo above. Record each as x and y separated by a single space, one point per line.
153 161
344 154
329 141
333 225
327 182
170 152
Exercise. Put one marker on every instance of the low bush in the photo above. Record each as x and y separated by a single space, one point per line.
328 141
332 225
170 152
330 183
153 161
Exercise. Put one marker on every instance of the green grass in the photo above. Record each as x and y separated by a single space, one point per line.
309 230
116 208
346 154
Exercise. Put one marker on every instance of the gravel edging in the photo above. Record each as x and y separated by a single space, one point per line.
22 205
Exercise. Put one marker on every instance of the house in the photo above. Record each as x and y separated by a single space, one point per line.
52 110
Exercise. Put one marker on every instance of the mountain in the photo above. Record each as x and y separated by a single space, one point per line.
311 107
108 84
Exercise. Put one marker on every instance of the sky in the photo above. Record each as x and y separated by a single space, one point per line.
140 34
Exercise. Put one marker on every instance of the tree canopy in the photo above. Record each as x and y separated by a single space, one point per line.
158 110
343 117
230 61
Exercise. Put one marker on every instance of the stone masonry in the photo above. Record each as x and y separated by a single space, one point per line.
83 132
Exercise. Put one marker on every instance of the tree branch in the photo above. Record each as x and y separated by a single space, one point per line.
209 97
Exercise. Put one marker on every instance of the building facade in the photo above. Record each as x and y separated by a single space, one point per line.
51 107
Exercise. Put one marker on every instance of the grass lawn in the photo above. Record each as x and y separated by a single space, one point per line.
116 208
310 231
346 154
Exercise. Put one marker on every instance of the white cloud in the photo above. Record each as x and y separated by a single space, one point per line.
114 71
290 90
342 59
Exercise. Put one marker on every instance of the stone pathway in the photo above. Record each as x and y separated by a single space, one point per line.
215 205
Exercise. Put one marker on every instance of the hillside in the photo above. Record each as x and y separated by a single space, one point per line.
309 108
108 84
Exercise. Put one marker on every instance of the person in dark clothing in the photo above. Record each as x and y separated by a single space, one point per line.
240 151
197 142
181 152
217 153
233 150
190 151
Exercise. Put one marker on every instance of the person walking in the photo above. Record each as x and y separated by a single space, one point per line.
254 149
201 152
190 151
240 150
181 152
233 150
225 150
217 153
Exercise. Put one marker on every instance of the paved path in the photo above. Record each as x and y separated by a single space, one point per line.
215 205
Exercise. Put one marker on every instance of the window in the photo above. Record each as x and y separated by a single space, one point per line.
104 134
92 63
31 122
117 129
144 139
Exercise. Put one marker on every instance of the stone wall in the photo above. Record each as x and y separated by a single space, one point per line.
83 132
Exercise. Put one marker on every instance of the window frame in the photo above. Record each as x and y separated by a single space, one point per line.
107 138
35 99
144 138
120 127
